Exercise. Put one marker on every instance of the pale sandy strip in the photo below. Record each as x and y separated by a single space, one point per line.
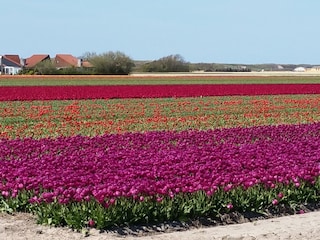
303 226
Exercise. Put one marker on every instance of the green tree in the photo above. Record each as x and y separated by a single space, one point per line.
46 67
110 63
171 63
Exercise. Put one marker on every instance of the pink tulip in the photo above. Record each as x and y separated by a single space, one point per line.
91 223
275 202
5 193
229 206
280 195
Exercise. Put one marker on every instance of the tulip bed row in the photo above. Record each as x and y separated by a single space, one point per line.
95 80
40 119
164 175
10 93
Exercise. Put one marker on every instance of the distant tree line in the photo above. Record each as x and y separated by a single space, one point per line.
219 67
229 69
118 63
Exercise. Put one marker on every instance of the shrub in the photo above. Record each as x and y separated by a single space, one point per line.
111 63
172 63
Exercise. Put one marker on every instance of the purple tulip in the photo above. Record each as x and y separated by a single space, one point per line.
159 164
280 195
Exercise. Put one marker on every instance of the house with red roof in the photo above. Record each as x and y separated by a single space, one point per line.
35 59
67 60
10 64
13 64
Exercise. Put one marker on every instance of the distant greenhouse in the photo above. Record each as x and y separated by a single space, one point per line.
299 69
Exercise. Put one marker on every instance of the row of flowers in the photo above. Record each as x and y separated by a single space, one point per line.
118 171
40 119
10 93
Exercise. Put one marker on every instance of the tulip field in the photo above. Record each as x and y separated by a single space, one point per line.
141 156
42 119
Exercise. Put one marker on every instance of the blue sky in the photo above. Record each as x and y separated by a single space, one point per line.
228 31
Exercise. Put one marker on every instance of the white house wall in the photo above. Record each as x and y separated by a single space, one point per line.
11 70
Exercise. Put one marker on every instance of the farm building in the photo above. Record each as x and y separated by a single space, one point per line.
67 60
